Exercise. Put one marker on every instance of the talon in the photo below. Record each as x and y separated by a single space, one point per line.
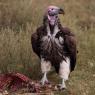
43 82
47 82
61 87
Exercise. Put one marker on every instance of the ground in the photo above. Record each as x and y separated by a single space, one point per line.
20 18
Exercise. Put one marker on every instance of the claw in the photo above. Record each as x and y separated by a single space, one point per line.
44 81
62 87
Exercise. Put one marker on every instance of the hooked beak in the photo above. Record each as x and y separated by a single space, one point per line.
61 11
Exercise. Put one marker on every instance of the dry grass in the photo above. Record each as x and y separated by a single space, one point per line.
18 18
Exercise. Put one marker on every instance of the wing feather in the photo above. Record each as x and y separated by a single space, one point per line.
35 43
70 46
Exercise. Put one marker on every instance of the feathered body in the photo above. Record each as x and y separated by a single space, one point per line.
54 47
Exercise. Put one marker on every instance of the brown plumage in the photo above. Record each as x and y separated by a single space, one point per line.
55 45
68 48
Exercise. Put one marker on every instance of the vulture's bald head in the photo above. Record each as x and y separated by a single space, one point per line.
51 15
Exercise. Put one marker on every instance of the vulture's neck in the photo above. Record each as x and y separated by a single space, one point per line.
52 30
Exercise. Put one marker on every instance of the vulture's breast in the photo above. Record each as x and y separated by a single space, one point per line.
52 46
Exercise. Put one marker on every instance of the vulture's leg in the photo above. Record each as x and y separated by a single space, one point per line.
64 71
45 67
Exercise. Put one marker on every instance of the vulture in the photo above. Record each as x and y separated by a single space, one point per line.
55 45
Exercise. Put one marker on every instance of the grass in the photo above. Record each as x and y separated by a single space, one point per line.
19 18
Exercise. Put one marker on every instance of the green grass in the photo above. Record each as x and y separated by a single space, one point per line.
19 18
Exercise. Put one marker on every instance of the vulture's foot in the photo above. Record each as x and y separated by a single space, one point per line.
44 81
62 87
